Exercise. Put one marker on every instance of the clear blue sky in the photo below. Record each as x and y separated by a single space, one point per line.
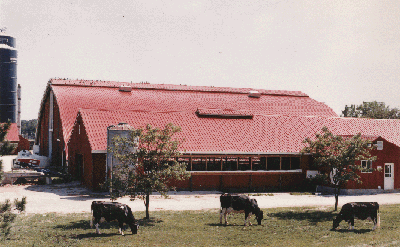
338 52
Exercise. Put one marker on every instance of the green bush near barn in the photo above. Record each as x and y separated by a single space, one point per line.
300 226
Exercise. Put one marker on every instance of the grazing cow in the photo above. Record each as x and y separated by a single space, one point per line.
239 204
110 211
358 210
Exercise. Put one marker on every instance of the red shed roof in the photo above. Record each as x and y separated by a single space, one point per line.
72 95
261 134
12 133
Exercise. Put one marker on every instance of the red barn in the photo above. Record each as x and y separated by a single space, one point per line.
235 138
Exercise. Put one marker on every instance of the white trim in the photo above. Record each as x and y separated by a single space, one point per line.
388 180
99 151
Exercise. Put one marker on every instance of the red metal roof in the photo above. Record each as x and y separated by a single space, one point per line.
12 134
262 134
72 95
172 87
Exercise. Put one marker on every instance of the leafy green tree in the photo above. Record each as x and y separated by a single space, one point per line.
337 156
28 128
149 163
7 217
5 146
374 109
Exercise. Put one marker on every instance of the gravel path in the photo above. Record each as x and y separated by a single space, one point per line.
72 198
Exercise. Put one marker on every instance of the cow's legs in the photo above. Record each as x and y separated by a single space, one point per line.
226 218
97 228
120 228
351 224
224 212
247 218
376 221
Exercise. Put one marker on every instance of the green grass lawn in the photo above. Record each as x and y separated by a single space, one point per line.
302 226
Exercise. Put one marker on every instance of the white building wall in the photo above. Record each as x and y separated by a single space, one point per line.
7 162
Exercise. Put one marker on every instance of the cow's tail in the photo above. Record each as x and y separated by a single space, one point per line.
378 220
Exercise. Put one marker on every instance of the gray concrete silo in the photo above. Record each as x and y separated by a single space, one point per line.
8 79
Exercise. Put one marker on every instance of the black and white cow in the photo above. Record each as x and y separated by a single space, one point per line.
358 210
239 204
110 211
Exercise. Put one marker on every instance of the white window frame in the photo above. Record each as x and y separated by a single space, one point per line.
364 164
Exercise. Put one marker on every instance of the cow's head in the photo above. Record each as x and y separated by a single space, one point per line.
134 228
336 222
259 217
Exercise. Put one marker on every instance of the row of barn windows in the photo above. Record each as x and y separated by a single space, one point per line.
240 163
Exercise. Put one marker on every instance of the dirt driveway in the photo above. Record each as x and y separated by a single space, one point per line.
72 198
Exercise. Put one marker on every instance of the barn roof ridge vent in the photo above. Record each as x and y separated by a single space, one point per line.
125 88
254 94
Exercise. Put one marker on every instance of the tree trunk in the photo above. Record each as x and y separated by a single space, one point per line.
147 205
337 192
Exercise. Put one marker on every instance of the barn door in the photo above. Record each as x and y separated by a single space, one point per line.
389 176
79 166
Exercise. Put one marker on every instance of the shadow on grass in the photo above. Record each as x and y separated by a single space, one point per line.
356 231
85 225
95 235
215 224
311 216
150 222
232 224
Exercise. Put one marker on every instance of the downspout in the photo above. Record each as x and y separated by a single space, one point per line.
51 116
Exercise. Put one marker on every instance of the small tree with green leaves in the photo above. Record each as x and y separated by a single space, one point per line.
337 156
149 163
7 216
5 147
374 109
28 128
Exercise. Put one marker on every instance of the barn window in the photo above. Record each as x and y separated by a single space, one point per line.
273 163
285 163
244 164
198 164
229 164
257 164
214 164
295 163
366 166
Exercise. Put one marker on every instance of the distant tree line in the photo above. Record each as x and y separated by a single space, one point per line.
28 128
374 109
